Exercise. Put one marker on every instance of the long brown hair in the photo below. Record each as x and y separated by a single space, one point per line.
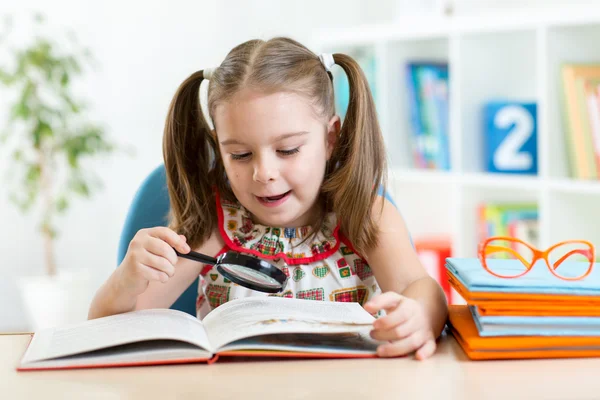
193 163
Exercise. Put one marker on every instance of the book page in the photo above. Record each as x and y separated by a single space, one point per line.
160 351
254 316
116 330
319 343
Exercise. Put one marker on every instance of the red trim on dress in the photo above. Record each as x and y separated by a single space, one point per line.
345 241
288 260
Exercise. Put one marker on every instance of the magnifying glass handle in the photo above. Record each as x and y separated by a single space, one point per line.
195 256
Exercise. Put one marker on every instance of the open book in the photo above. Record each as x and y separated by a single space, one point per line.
256 326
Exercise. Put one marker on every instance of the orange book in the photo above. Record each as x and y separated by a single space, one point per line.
252 327
523 309
542 304
463 328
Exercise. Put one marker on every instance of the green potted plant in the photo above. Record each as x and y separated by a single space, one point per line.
49 135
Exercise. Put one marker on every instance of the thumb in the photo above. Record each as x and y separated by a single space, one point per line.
426 350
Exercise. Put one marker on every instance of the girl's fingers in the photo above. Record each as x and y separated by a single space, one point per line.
393 318
162 249
397 332
385 301
403 346
169 236
152 274
183 238
426 350
157 262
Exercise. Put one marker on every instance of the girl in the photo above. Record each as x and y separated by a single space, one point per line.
280 177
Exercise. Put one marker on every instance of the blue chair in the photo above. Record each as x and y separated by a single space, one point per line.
149 208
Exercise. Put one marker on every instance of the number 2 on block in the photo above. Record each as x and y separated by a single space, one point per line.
507 155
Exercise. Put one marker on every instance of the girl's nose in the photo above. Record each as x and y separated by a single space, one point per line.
265 170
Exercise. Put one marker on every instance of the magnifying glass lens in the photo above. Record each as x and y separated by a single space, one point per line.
251 276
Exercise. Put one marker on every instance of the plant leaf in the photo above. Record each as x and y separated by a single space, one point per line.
61 204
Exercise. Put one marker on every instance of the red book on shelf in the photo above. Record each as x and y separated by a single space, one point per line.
432 253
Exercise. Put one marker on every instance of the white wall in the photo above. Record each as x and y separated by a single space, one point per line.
145 49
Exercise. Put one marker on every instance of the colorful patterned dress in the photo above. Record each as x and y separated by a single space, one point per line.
325 267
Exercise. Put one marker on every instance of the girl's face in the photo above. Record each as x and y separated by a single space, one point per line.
274 148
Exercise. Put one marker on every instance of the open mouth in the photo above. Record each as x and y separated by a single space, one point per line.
274 199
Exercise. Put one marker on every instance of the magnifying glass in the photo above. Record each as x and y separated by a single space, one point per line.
244 270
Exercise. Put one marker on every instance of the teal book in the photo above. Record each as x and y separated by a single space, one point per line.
368 63
539 280
535 325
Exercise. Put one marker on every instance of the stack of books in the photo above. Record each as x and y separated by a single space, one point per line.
534 316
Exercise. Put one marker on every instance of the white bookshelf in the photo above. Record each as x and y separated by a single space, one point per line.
506 56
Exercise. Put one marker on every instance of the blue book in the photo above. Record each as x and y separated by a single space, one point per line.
539 280
535 326
368 64
428 84
438 111
414 105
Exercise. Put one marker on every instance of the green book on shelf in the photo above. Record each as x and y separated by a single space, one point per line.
499 216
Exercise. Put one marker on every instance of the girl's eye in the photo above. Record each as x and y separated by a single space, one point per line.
289 152
240 156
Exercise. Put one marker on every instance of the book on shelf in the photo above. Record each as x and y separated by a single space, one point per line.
427 85
368 63
524 229
519 220
432 252
588 91
580 99
252 327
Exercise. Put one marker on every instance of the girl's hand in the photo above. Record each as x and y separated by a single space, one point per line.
405 325
150 257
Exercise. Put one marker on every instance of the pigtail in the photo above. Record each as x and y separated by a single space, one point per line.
358 164
188 151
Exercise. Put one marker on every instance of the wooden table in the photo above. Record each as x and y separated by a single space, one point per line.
448 375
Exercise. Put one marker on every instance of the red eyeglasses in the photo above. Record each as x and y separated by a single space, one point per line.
570 260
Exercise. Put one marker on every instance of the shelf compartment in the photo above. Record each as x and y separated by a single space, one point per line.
433 220
572 216
501 67
399 54
565 44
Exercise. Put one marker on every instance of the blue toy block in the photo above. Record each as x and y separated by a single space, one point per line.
510 137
